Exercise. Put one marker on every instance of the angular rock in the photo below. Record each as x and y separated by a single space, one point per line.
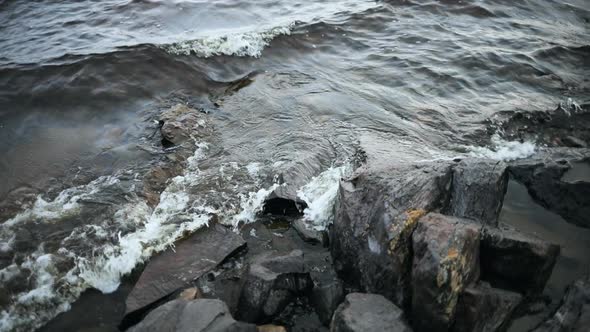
325 298
543 178
483 308
516 261
175 269
478 190
309 234
375 214
181 123
272 281
573 313
445 262
271 328
368 312
206 315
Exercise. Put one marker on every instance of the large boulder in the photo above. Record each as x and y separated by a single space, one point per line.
573 313
272 281
201 315
176 268
376 211
516 261
446 253
482 308
368 312
478 190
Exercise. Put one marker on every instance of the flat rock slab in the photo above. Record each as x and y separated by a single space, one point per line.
191 258
368 312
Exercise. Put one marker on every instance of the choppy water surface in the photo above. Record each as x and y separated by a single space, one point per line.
79 81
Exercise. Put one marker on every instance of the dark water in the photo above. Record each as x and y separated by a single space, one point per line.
80 80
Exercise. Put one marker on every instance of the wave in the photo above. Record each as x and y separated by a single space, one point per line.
504 150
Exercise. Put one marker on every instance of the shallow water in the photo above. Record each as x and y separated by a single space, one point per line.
290 87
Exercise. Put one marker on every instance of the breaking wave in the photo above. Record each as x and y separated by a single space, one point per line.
504 150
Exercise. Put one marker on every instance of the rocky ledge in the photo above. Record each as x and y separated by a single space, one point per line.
413 246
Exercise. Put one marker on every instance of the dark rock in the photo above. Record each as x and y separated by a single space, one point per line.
272 281
181 123
516 261
308 234
283 201
483 308
198 315
574 142
543 178
478 190
375 214
573 313
176 268
445 262
325 298
368 312
271 328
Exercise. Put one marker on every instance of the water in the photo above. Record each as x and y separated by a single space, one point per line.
292 88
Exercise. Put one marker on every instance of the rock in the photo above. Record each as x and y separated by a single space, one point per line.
284 201
478 190
516 261
190 294
181 123
325 298
368 312
574 142
207 315
272 281
483 308
446 251
271 328
176 268
573 313
376 211
309 234
543 178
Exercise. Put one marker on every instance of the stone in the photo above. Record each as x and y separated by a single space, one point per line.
206 315
573 313
481 308
516 261
375 214
308 234
272 281
190 294
478 190
445 262
368 312
181 123
176 268
271 328
574 142
325 298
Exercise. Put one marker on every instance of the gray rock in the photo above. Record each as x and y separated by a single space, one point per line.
478 190
375 214
573 313
368 312
482 308
325 298
446 251
273 280
574 142
309 234
516 261
181 123
206 315
174 269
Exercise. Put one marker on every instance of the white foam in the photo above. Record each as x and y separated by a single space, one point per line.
250 204
504 150
240 44
320 196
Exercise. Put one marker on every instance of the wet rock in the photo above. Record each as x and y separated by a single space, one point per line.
325 298
271 328
573 313
283 201
478 190
574 142
272 281
483 308
543 178
190 294
368 312
445 262
198 315
309 234
516 261
181 123
376 211
176 268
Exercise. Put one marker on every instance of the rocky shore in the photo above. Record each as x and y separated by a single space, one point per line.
413 246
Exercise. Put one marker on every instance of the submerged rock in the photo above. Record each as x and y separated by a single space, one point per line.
176 268
446 253
206 315
181 123
573 313
368 312
272 281
516 261
483 308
